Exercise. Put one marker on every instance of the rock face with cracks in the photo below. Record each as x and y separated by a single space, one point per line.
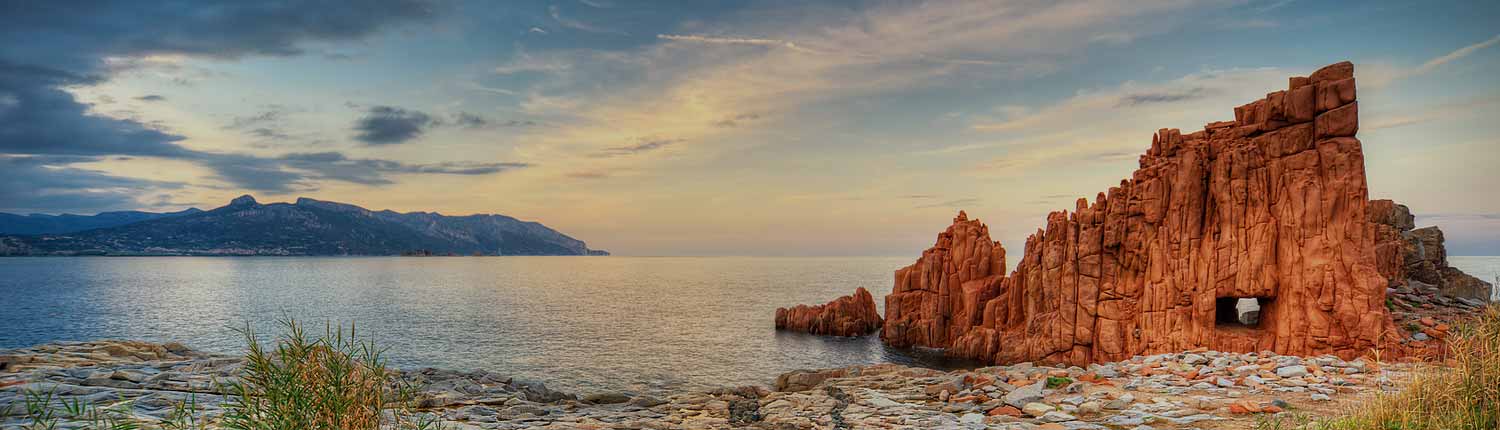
1406 254
1271 206
851 315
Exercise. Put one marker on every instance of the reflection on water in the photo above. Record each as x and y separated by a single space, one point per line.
641 324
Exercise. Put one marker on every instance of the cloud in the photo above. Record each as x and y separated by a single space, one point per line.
46 184
1167 96
734 41
1091 127
44 119
589 174
736 120
1382 77
645 145
152 98
576 24
1423 114
1457 54
44 48
687 85
525 62
951 204
1273 5
387 125
475 121
302 171
1113 38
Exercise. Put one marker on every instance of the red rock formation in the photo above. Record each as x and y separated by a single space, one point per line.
1270 206
851 315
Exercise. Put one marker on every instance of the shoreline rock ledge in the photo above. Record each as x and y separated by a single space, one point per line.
851 315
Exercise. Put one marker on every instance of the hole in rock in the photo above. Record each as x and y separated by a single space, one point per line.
1239 311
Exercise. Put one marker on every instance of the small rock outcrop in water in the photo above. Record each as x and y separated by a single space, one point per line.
851 315
1415 257
1270 207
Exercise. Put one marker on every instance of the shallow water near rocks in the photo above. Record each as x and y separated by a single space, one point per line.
638 324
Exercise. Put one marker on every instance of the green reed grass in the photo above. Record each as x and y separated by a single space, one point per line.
332 382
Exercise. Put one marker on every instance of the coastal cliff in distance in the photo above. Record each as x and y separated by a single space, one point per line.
307 227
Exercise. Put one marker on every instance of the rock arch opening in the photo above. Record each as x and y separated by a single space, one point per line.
1232 312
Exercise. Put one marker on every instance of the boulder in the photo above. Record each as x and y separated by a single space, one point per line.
852 315
1405 254
1272 207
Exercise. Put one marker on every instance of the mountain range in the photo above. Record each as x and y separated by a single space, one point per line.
307 227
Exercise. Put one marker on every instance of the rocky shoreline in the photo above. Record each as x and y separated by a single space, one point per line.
1197 389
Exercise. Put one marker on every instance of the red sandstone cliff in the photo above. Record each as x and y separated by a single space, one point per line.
851 315
1270 206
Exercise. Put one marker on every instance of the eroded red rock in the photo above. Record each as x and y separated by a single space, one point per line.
1271 207
851 315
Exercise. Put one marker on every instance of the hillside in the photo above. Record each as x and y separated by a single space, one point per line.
307 227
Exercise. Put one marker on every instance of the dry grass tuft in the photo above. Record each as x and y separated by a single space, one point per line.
1463 393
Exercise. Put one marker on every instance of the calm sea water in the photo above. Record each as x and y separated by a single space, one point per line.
581 324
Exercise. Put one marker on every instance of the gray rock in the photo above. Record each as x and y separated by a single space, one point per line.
1037 409
646 401
606 398
1291 371
1022 396
1057 417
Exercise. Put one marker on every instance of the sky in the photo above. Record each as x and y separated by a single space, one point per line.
720 127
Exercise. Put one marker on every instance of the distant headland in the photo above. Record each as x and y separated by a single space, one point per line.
307 227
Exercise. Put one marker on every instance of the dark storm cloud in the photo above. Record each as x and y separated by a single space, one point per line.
45 184
1162 97
388 125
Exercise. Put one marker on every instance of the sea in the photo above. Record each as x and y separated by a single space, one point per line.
581 324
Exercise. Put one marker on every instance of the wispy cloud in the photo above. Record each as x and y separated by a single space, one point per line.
578 25
734 41
1381 77
645 145
951 204
1164 96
